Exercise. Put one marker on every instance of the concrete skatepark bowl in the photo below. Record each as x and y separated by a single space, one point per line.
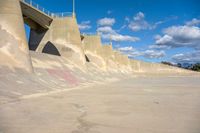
60 81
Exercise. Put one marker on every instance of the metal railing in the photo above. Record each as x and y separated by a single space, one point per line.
53 15
61 15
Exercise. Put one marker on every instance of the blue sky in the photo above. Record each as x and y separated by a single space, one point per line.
149 30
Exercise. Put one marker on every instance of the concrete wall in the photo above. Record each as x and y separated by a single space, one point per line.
92 48
109 56
103 55
122 61
64 34
92 43
106 52
13 44
155 68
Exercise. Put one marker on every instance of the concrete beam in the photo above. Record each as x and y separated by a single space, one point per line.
36 15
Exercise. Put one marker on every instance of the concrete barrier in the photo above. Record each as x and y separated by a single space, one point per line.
64 35
103 55
155 68
93 50
122 61
108 55
13 44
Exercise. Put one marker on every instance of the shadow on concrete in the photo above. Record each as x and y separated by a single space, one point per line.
50 49
36 36
87 59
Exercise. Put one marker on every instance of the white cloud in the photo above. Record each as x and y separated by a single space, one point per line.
193 22
159 47
179 36
129 51
109 33
183 32
106 22
85 25
139 16
129 48
106 29
139 23
119 37
190 57
163 40
156 37
150 54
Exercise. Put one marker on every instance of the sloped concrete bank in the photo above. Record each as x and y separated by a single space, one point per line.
52 74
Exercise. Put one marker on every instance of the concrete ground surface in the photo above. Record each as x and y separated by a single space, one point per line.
132 105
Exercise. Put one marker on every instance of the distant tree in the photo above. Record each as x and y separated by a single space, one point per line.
179 65
167 63
196 67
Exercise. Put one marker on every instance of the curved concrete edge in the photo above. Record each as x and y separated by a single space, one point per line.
96 60
64 34
14 48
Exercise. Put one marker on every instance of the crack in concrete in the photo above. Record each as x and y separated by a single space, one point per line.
84 125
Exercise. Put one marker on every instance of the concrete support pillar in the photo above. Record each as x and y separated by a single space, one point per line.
64 34
93 49
14 51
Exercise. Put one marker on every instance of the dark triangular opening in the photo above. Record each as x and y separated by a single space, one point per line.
50 49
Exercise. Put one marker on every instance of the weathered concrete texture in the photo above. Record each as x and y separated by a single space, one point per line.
93 47
122 61
64 35
132 105
13 44
108 55
155 68
103 55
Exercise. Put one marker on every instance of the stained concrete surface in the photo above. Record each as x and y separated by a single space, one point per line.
140 104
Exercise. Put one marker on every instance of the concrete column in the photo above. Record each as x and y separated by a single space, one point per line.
65 36
93 49
14 51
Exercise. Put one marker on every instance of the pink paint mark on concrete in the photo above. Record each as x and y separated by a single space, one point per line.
64 74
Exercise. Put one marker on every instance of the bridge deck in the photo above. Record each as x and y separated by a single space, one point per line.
35 17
